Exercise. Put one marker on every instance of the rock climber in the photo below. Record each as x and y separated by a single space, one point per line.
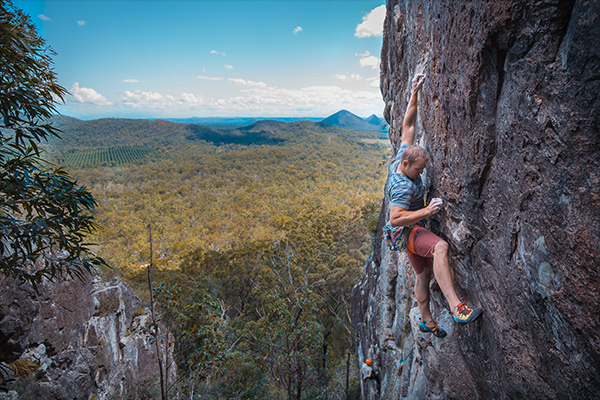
427 252
367 371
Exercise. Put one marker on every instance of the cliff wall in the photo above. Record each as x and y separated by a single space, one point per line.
89 339
509 114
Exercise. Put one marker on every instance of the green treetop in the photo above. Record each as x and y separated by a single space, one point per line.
43 213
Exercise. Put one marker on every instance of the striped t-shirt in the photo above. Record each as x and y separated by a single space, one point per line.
403 191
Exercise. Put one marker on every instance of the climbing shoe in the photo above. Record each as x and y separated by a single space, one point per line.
465 314
436 330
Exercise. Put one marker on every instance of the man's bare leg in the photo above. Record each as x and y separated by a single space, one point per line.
444 274
422 295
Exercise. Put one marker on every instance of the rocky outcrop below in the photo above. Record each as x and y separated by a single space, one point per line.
509 114
88 338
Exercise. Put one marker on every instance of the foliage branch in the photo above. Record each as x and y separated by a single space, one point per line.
43 213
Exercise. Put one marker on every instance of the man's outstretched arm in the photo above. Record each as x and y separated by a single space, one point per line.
410 118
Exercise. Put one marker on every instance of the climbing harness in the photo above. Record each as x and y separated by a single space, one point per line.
399 242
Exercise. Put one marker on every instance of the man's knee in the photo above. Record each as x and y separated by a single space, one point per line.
441 249
424 277
421 289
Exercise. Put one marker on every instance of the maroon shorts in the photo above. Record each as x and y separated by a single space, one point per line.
421 244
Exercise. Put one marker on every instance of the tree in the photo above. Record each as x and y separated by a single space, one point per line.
288 332
197 327
44 215
286 306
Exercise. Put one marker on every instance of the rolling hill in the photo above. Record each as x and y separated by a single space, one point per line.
191 180
115 133
347 120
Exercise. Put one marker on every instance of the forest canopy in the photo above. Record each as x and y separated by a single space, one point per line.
258 239
201 194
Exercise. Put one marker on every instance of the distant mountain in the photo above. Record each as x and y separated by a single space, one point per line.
233 122
268 132
115 132
215 122
346 120
262 132
106 133
374 120
268 126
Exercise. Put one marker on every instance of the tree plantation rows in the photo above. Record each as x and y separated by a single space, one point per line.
256 251
111 157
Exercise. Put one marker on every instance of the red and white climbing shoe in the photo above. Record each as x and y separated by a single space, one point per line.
465 314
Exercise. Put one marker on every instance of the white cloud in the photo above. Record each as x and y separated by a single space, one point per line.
312 100
88 95
217 53
297 30
229 67
370 61
210 78
164 105
130 80
246 98
372 24
81 22
256 99
139 99
248 83
343 77
374 82
43 17
191 98
367 60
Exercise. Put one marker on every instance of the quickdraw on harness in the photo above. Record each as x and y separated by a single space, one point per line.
401 240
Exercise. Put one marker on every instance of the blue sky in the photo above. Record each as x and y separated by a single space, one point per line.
208 58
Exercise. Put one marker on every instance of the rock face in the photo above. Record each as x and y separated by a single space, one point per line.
85 337
509 114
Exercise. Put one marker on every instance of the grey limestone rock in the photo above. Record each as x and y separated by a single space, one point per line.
88 339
